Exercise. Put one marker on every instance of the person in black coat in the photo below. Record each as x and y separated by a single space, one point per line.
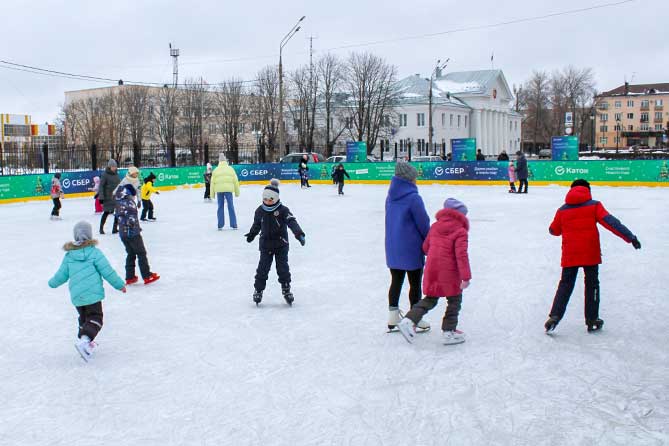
503 156
480 156
521 171
272 220
109 181
303 170
338 177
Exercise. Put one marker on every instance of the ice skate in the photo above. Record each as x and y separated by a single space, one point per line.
408 329
131 280
257 297
422 326
287 295
451 337
85 347
394 318
152 278
551 323
594 325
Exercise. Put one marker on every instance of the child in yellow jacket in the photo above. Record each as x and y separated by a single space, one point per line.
147 190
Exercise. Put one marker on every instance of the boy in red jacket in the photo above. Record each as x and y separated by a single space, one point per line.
447 272
576 221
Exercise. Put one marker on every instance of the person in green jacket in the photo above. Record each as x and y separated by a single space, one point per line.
224 183
85 266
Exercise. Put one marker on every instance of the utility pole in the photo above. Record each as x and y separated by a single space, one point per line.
436 71
284 41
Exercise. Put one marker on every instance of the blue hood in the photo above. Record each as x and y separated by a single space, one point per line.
400 188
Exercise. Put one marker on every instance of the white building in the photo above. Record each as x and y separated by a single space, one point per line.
467 104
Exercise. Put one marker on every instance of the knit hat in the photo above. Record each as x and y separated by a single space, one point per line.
452 203
83 231
112 163
132 170
57 175
406 171
580 182
271 193
129 189
222 158
151 177
274 182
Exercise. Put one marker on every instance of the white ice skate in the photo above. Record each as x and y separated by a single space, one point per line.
451 337
86 348
422 325
394 318
408 329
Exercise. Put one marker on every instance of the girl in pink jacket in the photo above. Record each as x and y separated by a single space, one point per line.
512 178
447 272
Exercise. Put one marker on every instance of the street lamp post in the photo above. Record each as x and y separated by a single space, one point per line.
592 123
617 134
283 43
438 66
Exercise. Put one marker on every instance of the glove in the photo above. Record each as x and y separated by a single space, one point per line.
464 284
636 243
157 193
123 290
249 237
301 239
101 201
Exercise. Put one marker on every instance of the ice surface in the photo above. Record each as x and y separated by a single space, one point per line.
190 360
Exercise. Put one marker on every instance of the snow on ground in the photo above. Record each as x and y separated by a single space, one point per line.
191 360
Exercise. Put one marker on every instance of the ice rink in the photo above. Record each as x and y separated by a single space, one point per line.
190 360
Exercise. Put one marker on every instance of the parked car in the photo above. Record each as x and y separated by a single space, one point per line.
336 159
426 158
545 153
294 158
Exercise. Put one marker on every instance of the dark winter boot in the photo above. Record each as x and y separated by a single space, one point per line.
287 295
551 323
594 325
257 297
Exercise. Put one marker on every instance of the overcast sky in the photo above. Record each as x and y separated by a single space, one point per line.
221 39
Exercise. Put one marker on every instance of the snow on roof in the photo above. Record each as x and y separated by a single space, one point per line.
449 86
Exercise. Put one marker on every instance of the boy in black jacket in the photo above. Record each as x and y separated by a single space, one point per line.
338 177
272 220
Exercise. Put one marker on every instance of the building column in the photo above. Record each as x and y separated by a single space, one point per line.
484 134
505 132
495 129
500 134
476 127
489 127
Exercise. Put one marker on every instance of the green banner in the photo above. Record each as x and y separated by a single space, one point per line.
612 172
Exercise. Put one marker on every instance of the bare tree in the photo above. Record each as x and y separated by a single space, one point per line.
196 107
136 105
115 122
534 99
266 106
331 74
229 104
304 91
165 115
89 119
579 92
370 85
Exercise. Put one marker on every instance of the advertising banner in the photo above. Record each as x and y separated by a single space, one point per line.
564 148
463 149
356 151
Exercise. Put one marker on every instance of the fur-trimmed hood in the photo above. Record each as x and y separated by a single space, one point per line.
70 246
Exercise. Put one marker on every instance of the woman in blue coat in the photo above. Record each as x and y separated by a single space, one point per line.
407 225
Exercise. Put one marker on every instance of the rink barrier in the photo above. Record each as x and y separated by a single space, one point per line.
606 173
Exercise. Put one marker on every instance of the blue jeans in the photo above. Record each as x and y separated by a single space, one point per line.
222 198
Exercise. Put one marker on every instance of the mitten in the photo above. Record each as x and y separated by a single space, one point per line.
101 201
301 239
636 243
464 284
249 237
123 290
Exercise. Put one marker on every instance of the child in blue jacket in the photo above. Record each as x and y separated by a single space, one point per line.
85 266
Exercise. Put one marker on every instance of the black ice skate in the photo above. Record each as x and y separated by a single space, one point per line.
287 295
551 323
594 325
257 297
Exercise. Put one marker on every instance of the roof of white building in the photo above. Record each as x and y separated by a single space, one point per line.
415 89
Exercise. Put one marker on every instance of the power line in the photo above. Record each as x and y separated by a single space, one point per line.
75 76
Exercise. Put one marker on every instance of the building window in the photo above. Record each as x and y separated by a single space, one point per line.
644 127
443 120
630 128
658 116
212 129
630 103
349 123
603 128
658 127
630 115
618 104
515 124
403 120
603 105
616 140
644 117
420 119
451 119
458 121
510 126
617 128
605 117
604 140
658 102
644 103
465 121
241 128
618 116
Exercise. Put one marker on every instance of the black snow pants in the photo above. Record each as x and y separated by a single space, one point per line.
566 287
134 247
90 320
147 207
56 207
265 263
103 220
450 320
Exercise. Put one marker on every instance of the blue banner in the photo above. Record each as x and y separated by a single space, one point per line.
356 151
463 149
